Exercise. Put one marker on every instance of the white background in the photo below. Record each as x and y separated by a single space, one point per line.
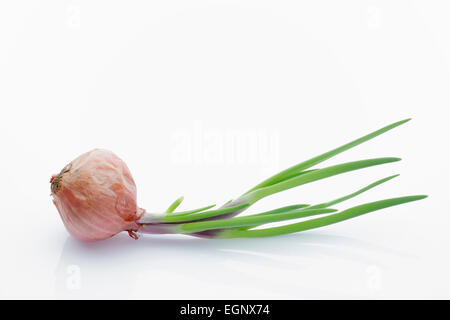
205 99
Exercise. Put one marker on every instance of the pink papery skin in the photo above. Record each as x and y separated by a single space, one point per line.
95 196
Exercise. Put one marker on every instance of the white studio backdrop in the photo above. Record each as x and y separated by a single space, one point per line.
205 99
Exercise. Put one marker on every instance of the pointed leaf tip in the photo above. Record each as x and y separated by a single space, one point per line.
403 121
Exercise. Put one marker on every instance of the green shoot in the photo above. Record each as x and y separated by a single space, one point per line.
221 223
325 156
249 220
320 222
174 205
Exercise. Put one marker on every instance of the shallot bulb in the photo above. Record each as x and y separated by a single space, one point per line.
95 195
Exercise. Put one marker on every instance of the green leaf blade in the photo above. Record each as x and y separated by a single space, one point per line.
325 156
323 221
250 220
204 215
316 175
175 205
354 194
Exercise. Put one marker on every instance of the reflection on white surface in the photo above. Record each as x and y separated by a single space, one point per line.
155 267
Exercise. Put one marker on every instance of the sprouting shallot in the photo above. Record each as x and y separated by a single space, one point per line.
95 195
